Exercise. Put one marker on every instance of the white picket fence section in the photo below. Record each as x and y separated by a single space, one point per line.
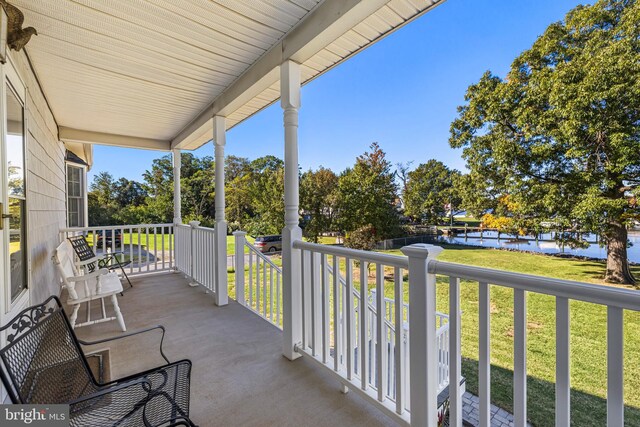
148 247
195 254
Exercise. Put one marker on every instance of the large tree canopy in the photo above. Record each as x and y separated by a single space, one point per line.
367 195
429 191
318 199
560 136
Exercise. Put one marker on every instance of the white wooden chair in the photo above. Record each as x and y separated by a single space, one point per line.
85 288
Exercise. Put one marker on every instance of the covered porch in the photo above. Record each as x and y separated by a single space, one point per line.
157 76
239 374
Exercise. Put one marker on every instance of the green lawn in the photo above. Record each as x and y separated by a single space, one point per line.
588 336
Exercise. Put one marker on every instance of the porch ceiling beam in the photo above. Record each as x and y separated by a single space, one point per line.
90 137
325 24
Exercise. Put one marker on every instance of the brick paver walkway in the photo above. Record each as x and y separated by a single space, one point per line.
471 411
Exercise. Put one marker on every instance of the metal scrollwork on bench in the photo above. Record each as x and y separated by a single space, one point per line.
28 319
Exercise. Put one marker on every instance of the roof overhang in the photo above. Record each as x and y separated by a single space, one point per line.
153 74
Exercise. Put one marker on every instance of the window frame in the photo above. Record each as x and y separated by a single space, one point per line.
83 214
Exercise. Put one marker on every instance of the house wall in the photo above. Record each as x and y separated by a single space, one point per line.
46 193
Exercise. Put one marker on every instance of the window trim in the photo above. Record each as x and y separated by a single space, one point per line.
83 189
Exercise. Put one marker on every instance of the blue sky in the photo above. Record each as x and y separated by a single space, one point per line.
401 92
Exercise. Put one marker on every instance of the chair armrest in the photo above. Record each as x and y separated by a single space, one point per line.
129 334
95 408
88 261
85 277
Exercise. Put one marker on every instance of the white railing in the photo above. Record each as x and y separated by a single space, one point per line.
615 299
144 248
361 348
442 335
258 281
361 361
195 254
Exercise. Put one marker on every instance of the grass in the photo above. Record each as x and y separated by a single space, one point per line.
588 335
588 338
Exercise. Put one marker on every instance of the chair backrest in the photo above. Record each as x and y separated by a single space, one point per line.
42 360
64 260
82 250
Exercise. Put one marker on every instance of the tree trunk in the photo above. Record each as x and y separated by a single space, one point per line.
617 262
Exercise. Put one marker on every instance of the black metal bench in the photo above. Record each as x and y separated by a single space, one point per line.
43 363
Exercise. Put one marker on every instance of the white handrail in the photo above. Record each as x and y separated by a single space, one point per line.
587 292
370 257
111 227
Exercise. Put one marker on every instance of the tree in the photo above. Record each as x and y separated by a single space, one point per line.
367 195
560 136
318 200
266 195
429 190
101 201
402 173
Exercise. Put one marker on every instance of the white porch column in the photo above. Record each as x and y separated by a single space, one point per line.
219 141
177 208
291 284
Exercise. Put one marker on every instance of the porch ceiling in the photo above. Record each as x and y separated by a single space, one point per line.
151 73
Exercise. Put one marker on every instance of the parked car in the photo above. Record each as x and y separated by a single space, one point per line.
268 243
109 236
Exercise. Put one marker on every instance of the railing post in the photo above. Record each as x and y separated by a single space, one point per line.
291 268
423 357
220 232
240 237
177 211
192 250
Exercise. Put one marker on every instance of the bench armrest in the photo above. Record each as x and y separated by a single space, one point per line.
89 276
130 334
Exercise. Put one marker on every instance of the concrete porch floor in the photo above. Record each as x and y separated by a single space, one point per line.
239 376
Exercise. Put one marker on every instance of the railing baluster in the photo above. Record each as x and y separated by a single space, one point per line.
148 250
324 306
264 288
140 253
337 336
349 315
455 370
278 307
313 268
615 366
162 243
155 247
563 370
398 293
364 323
519 358
381 346
257 284
271 293
304 296
250 279
172 235
484 359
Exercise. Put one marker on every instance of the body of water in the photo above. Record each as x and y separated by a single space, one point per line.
545 244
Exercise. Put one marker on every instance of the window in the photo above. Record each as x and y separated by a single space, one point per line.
16 194
75 196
